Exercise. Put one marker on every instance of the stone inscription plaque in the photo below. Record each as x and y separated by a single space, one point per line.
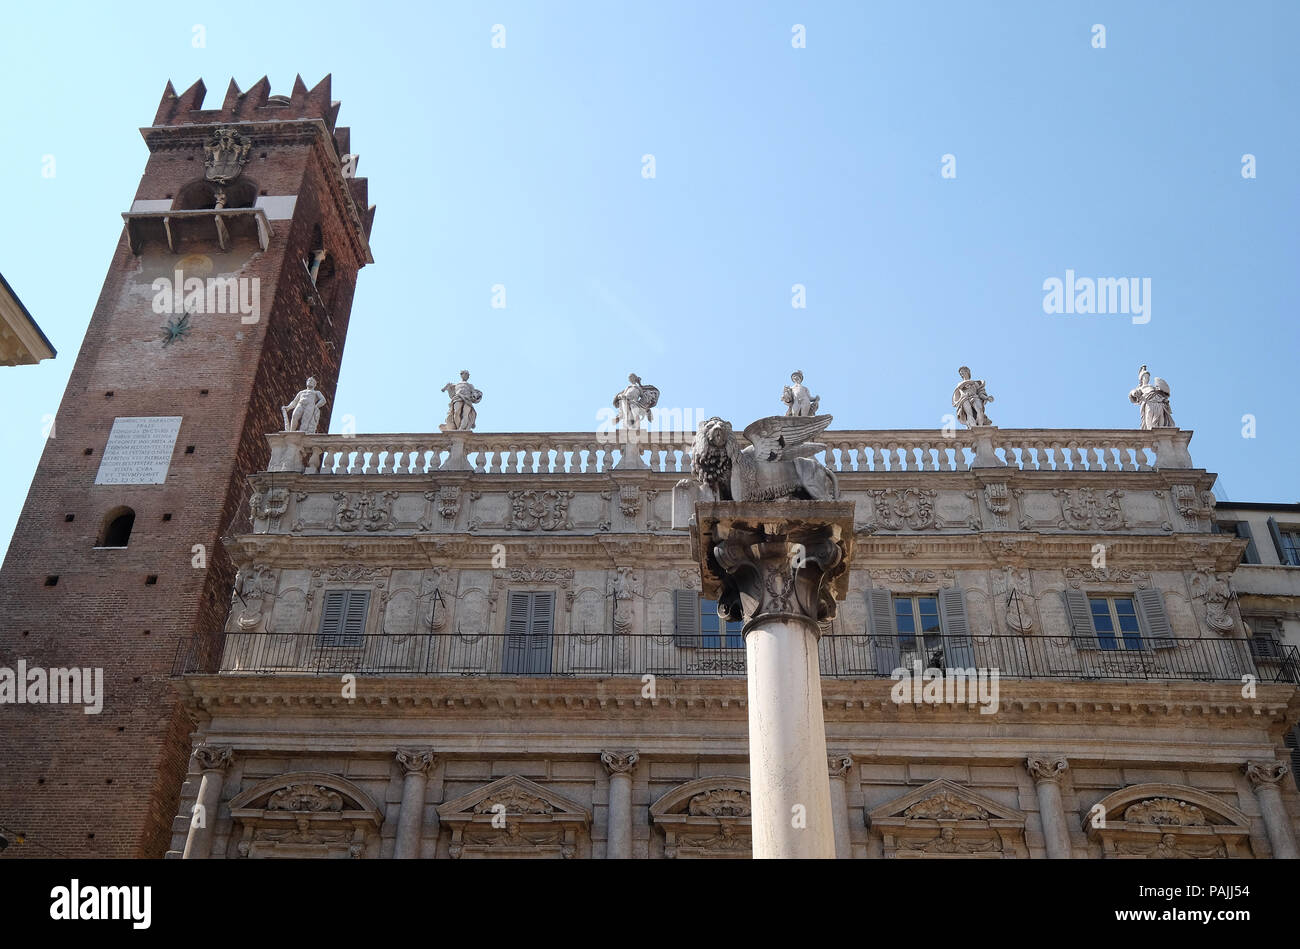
139 450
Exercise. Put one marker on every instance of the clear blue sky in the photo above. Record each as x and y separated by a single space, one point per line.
774 166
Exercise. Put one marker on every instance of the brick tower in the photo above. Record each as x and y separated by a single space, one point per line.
116 561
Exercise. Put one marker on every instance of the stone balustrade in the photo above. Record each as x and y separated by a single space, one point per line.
535 453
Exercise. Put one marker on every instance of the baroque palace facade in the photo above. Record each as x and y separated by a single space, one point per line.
469 645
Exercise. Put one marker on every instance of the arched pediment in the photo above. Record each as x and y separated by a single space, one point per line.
708 817
1116 804
1167 821
304 792
305 814
713 795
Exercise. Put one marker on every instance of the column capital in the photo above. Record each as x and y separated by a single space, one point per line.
619 762
778 560
214 757
416 760
1265 773
838 765
1047 767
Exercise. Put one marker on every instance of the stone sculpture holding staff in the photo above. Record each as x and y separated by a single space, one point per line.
305 406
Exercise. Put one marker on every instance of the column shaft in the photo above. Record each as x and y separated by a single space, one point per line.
790 788
410 816
619 846
198 843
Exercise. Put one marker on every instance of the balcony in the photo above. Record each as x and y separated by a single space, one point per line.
605 655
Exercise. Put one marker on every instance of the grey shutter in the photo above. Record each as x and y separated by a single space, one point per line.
331 618
518 616
884 634
1252 552
354 618
540 633
1076 607
959 650
1292 741
1152 615
686 618
1277 541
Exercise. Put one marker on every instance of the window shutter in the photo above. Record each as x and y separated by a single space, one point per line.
1277 541
331 618
354 617
1292 740
686 612
539 632
515 658
1252 552
1151 610
959 650
1076 607
884 634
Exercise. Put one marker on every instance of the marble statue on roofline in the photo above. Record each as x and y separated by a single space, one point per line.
798 399
461 414
305 408
969 399
635 403
1152 399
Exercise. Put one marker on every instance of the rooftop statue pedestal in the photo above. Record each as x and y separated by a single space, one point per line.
780 566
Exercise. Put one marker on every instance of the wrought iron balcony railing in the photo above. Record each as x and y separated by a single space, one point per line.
843 656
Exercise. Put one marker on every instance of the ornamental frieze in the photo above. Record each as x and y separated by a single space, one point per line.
897 508
540 510
1077 577
364 510
1087 508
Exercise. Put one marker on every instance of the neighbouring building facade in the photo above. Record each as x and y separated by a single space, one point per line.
469 645
21 340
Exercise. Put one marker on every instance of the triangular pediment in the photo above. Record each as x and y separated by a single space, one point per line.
519 797
942 799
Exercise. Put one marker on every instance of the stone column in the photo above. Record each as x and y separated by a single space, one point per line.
620 765
780 566
415 764
838 766
1047 771
214 761
1264 777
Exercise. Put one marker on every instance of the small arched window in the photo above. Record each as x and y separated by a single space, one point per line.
116 531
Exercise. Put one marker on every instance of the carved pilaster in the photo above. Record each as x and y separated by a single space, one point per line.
619 762
1047 772
1265 778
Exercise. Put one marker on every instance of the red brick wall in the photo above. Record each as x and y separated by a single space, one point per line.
108 784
